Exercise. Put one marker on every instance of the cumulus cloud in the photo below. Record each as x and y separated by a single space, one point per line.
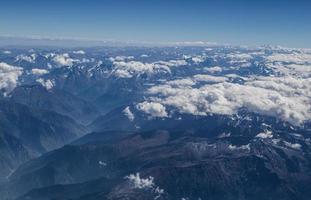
135 67
290 62
199 78
198 59
102 163
63 60
146 184
213 69
287 86
127 69
292 145
39 72
79 52
123 73
285 98
172 63
237 58
264 135
181 82
7 52
300 70
209 79
128 113
9 76
285 94
141 183
121 58
242 147
154 109
31 58
48 84
291 57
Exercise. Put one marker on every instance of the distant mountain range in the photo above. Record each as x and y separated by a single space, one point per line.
18 41
172 123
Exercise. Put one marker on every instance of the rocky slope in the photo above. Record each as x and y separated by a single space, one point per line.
27 133
172 165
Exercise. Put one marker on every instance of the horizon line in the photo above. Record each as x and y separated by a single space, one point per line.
91 42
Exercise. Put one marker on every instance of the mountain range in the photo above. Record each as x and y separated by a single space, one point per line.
172 123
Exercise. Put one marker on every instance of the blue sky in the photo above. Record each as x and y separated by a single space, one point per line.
247 22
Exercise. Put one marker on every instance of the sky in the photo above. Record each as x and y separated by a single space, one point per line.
237 22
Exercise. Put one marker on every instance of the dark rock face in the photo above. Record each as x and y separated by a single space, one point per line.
26 133
59 101
12 154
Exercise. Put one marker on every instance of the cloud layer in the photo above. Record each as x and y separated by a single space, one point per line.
125 67
285 94
9 76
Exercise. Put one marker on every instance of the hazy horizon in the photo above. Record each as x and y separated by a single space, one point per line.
76 42
241 22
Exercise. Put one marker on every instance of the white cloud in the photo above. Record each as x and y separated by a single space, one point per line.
181 82
79 52
146 184
171 63
63 60
102 163
285 94
125 67
128 113
191 81
198 59
291 145
49 65
213 69
122 73
264 135
239 56
31 58
49 55
39 72
121 58
287 86
7 52
153 109
48 84
285 98
242 147
292 57
9 76
141 183
298 70
158 191
242 59
129 69
134 67
209 78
